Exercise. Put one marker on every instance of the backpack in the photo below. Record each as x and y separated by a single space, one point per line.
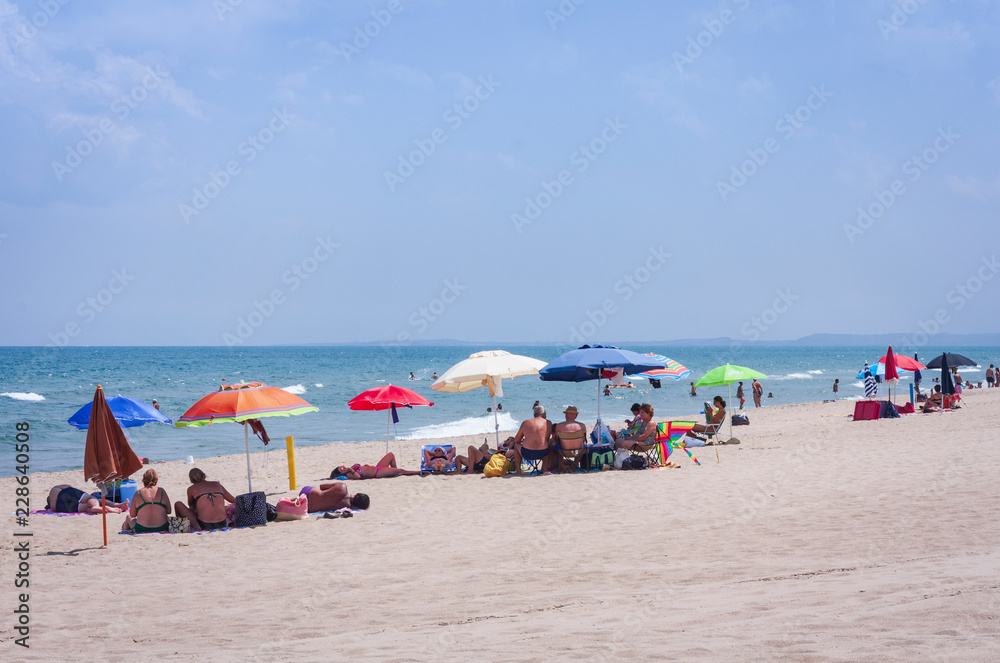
741 420
497 466
634 463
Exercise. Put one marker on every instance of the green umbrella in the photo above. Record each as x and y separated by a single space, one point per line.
727 375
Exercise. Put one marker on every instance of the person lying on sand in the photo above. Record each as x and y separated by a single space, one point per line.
476 461
206 507
66 499
333 496
385 469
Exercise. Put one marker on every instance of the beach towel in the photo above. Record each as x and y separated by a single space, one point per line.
48 512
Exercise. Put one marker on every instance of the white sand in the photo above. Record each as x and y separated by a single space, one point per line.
817 539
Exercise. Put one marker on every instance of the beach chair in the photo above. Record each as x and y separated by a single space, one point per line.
447 464
713 429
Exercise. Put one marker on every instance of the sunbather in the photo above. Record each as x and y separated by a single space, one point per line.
333 496
641 436
157 517
66 499
476 461
439 459
934 400
717 417
385 469
206 502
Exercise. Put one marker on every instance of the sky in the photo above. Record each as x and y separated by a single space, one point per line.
249 173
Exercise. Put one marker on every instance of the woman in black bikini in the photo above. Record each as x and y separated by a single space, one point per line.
206 507
155 519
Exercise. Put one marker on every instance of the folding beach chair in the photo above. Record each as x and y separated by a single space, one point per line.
439 464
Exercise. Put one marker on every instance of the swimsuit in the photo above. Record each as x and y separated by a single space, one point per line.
219 525
479 466
142 529
534 454
305 491
211 498
68 500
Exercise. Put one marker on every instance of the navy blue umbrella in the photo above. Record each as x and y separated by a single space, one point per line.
128 412
947 385
589 362
952 360
917 377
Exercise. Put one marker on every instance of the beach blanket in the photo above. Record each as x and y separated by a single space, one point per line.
49 512
201 531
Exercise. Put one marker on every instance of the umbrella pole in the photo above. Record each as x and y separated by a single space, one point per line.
598 400
496 421
388 418
104 519
246 440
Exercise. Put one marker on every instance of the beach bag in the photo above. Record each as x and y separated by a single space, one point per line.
634 463
601 435
179 525
620 456
596 460
496 466
251 509
292 509
741 420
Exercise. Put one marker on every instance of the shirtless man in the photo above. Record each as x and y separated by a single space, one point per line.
571 435
333 496
532 440
66 499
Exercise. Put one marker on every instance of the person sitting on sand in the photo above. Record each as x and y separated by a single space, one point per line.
385 469
206 502
642 435
533 440
439 459
476 461
570 436
934 400
154 519
333 496
66 499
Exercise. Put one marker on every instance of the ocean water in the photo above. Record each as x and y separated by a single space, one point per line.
45 386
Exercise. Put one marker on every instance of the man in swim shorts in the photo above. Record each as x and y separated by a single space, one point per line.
66 499
333 496
532 440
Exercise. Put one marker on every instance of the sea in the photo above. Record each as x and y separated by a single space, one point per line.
46 386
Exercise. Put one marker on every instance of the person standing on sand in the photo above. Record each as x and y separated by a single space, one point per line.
758 391
990 376
739 395
836 387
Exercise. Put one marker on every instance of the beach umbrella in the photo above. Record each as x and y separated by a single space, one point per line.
595 362
903 362
871 387
672 369
891 376
727 375
917 377
877 369
241 402
128 412
952 359
947 385
387 398
487 369
107 455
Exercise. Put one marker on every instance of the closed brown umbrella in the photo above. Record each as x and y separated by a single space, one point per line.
108 455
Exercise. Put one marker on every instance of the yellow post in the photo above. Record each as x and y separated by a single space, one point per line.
290 446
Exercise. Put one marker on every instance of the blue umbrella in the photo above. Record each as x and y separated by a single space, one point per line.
878 369
588 362
917 377
128 412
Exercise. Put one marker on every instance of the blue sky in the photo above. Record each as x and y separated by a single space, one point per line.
266 173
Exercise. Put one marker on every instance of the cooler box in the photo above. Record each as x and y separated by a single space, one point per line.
866 410
126 491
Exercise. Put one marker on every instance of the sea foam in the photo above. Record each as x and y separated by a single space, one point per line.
20 396
469 426
295 389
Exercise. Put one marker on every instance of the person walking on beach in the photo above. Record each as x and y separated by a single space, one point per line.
739 395
758 392
836 387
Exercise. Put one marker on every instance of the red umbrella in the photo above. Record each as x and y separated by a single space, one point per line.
891 376
387 398
903 362
107 455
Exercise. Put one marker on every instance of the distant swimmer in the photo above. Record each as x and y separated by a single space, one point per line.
499 407
435 376
694 392
770 395
155 404
607 390
836 386
412 376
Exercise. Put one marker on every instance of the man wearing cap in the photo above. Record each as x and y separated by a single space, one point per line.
570 438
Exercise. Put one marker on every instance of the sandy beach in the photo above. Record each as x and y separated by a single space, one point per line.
816 539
